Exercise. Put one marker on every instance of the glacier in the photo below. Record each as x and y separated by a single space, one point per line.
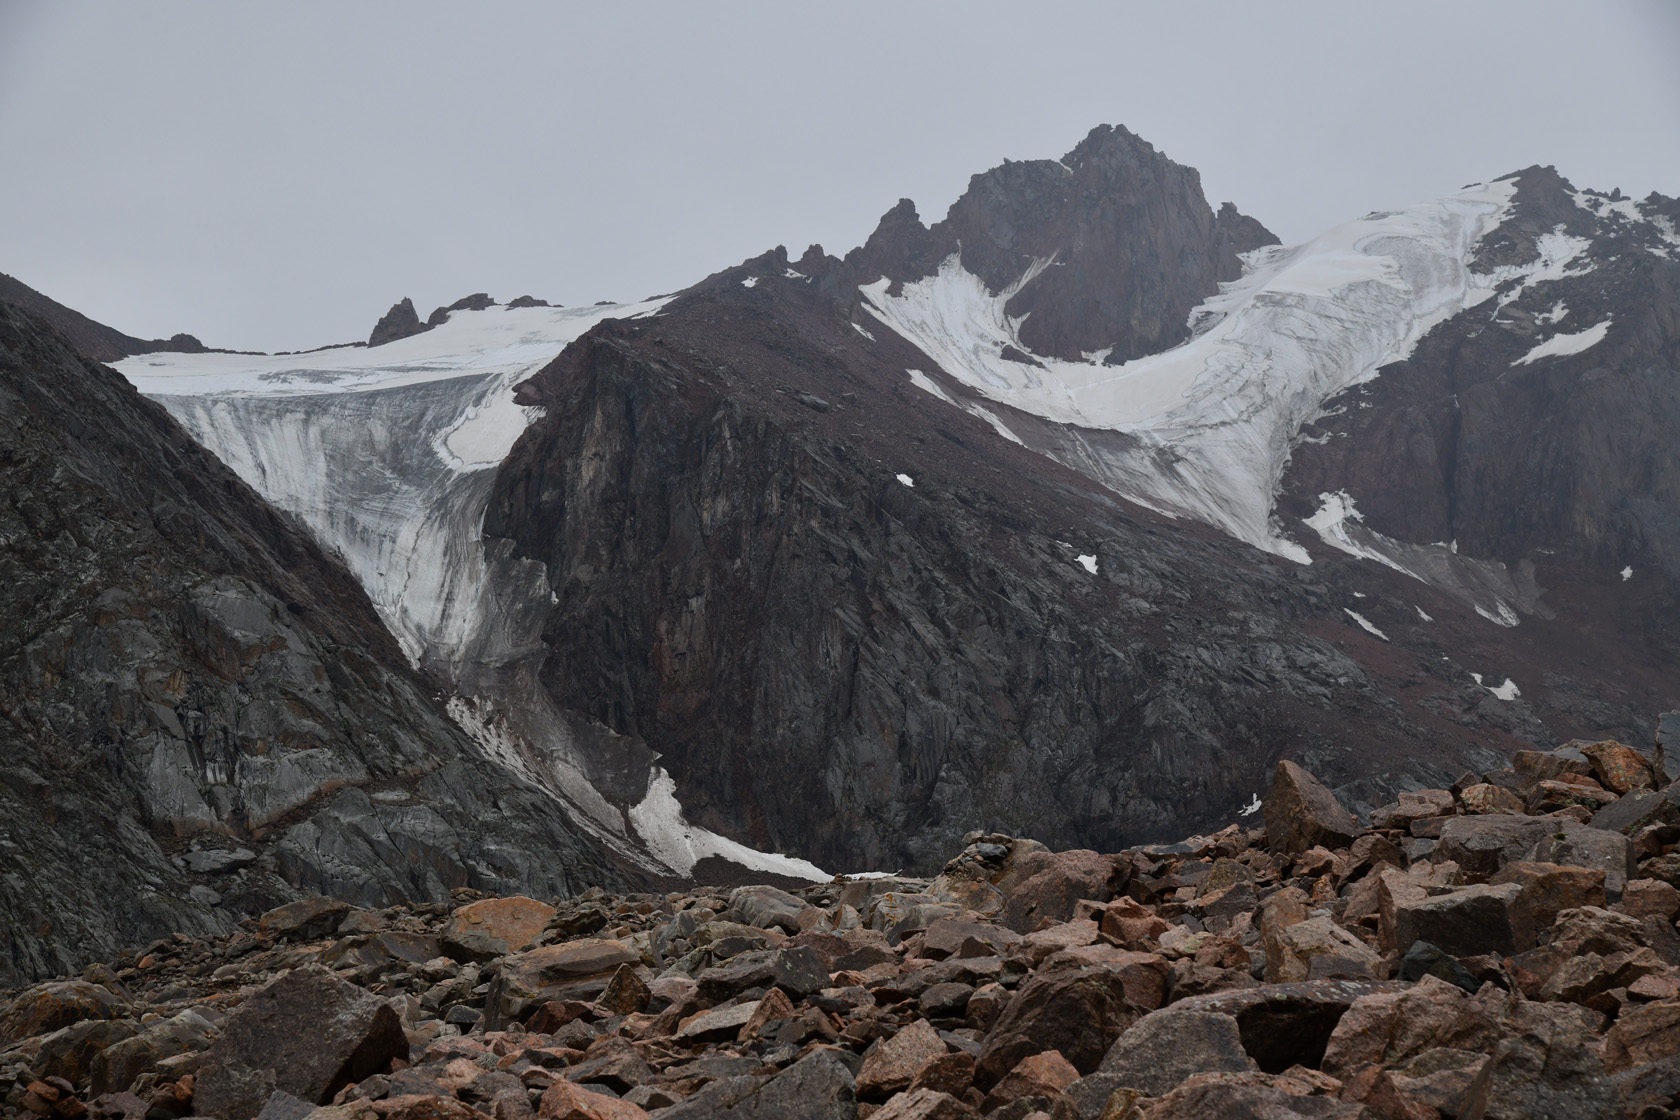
387 454
1204 430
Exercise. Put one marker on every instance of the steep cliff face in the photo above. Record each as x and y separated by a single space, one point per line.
857 622
1103 251
1536 426
203 716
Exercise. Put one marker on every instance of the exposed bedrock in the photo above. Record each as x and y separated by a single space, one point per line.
200 713
835 663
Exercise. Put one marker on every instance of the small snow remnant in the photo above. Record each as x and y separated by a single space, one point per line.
1359 594
1562 345
1364 623
749 282
1627 573
1506 691
907 480
1501 615
1477 677
1423 614
1251 808
1089 563
790 274
863 332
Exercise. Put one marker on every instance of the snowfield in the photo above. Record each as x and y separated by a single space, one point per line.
1211 422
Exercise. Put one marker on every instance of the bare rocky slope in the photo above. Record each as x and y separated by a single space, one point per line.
1503 949
200 714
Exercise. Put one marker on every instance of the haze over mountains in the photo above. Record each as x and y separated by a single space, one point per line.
1065 516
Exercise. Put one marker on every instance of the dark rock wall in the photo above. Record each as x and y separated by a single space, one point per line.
1569 457
838 665
181 666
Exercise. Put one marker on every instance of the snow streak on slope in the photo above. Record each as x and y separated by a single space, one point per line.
384 452
1208 426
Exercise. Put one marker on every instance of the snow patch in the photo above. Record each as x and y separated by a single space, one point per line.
1089 563
907 480
1500 614
974 408
1560 345
658 820
790 274
1627 573
1423 614
1251 808
1364 623
1507 691
750 282
863 332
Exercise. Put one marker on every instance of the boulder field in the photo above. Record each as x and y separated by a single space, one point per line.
1501 950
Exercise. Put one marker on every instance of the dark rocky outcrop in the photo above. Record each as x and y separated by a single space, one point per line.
478 301
200 714
399 322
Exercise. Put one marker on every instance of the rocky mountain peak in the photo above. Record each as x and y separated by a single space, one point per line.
399 322
1103 251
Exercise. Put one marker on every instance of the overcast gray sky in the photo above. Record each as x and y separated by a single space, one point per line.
275 176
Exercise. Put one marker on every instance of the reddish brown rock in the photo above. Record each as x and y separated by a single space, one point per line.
428 1106
1485 798
1548 889
924 1104
895 1063
1642 1034
308 1033
566 1101
1076 1011
48 1007
1041 1075
307 919
578 969
1127 922
1621 769
1301 813
494 927
1054 891
946 1073
1648 897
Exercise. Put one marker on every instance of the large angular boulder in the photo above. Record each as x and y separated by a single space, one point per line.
1165 1047
1041 1077
1292 949
1638 808
114 1069
1481 845
1053 891
1079 1011
307 919
1283 1025
1547 889
1301 813
925 1104
819 1086
798 971
1552 1069
767 907
71 1051
1643 1034
1251 1096
52 1006
1621 769
579 969
494 927
1463 922
892 1065
1579 845
308 1034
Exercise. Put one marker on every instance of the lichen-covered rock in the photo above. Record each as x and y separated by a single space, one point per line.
495 927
